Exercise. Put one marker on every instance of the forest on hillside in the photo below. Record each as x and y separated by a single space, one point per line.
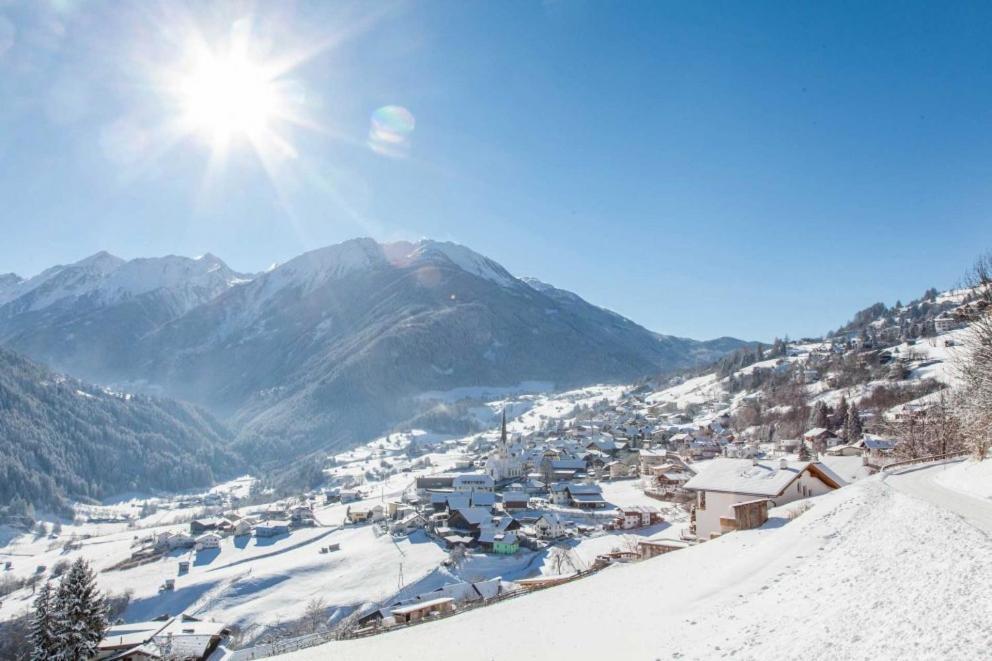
62 439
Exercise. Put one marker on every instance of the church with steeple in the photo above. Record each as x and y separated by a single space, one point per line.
507 461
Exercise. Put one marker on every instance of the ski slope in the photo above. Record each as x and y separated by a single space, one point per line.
885 568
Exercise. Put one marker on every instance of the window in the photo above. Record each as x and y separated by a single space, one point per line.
702 500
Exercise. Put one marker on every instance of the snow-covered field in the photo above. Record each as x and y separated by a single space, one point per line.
971 477
259 584
868 572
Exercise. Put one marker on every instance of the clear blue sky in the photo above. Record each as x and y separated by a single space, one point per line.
748 169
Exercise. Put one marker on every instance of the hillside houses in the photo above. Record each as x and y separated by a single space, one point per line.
729 482
458 594
181 637
583 496
630 517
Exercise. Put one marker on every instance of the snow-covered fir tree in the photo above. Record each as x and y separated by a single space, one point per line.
80 614
43 641
820 417
852 425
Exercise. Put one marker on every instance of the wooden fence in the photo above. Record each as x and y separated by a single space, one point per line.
925 460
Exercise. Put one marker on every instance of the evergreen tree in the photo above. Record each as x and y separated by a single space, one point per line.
803 451
840 415
81 618
819 417
43 625
852 426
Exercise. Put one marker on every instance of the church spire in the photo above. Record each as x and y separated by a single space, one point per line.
502 429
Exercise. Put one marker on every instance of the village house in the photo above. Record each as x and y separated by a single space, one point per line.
515 499
434 482
498 541
407 524
473 482
420 610
945 323
876 448
739 450
571 494
649 548
844 450
302 516
365 514
272 528
819 439
174 540
208 541
461 593
549 526
180 637
617 470
200 526
637 516
667 477
564 468
726 482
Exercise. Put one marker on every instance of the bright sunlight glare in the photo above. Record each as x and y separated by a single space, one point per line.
233 91
227 97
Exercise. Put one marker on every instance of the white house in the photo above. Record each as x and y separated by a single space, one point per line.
208 541
727 482
177 540
473 482
945 323
549 526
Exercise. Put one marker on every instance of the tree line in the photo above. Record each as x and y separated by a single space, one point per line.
62 440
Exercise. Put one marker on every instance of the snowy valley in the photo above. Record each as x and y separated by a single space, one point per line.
725 506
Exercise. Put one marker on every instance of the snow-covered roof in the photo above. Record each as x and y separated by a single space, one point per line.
420 605
761 478
587 497
475 515
878 443
480 479
585 489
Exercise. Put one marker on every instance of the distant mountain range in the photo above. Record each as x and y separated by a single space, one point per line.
331 347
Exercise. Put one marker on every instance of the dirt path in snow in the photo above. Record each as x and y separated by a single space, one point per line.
920 483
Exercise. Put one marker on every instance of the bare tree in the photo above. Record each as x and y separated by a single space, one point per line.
315 615
561 558
973 407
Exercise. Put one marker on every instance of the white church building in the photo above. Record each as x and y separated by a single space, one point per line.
507 460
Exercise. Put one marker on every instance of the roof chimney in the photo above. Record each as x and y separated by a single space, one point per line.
783 463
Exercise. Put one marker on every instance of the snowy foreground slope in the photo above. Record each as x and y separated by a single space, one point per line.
868 572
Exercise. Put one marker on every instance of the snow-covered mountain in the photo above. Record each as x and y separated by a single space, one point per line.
333 346
80 316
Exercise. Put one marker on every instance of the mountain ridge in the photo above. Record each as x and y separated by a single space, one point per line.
333 345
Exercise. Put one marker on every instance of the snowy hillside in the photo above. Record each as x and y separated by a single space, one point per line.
835 583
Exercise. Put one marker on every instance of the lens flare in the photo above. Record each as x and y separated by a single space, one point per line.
390 130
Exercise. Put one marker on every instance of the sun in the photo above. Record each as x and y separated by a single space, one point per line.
228 96
230 92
